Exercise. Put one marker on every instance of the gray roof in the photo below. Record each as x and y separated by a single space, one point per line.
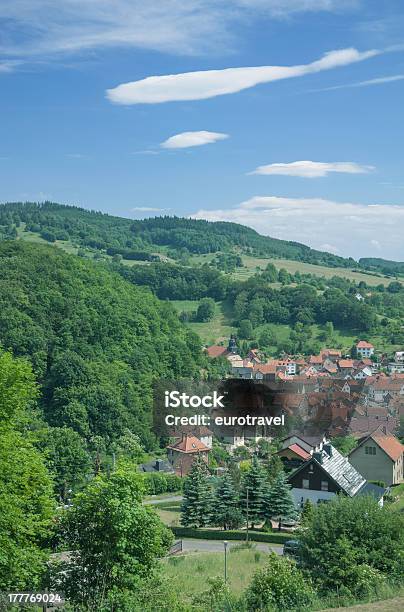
341 471
157 465
337 467
371 489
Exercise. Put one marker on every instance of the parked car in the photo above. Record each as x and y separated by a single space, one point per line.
292 548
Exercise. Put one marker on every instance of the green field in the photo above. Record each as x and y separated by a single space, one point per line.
219 329
254 264
189 573
216 330
251 265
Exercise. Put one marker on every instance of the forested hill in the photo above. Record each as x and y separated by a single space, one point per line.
386 266
137 239
96 342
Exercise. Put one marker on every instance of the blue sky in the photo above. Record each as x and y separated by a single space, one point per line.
311 150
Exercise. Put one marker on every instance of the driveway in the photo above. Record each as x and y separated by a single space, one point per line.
161 500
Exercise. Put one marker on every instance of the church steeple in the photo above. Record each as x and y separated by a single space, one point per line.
232 347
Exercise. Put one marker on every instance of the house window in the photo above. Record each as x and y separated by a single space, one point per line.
370 450
306 483
324 485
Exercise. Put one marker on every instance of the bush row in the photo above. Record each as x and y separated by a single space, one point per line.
207 534
157 483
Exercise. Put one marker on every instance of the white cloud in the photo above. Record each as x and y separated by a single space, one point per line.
45 27
369 82
192 139
148 209
311 169
210 83
9 65
350 228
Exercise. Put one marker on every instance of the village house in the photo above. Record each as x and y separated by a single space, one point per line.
182 454
293 456
216 350
326 474
203 433
379 456
365 349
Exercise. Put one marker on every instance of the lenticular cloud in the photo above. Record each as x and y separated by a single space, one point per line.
210 83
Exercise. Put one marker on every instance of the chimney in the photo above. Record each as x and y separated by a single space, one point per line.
318 456
384 429
328 449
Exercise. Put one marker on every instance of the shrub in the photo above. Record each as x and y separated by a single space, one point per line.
157 483
280 585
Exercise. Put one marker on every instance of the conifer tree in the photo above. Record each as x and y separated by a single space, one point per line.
253 488
307 512
278 500
197 503
227 513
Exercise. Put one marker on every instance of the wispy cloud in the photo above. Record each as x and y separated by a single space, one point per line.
76 156
350 228
45 27
148 209
369 82
192 139
210 83
9 65
311 169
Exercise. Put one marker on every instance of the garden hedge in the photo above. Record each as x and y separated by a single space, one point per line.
210 534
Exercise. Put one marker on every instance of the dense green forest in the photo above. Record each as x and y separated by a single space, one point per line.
385 266
101 231
95 341
301 299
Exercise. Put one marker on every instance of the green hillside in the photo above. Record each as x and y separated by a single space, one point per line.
136 239
96 342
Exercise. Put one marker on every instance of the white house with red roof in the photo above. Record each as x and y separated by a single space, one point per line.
365 349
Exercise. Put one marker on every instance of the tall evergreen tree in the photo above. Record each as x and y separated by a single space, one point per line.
278 500
197 504
253 492
227 513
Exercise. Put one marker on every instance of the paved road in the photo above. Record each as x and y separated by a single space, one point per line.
193 544
160 500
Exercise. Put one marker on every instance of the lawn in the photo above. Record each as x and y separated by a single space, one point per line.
398 492
189 573
169 512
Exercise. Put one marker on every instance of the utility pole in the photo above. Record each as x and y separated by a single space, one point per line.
247 515
225 561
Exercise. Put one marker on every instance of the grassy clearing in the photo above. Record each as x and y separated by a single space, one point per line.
168 517
306 268
254 264
169 512
389 605
218 329
189 573
398 492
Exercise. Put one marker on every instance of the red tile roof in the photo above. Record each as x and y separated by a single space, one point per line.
299 451
346 363
216 351
189 444
364 344
391 446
